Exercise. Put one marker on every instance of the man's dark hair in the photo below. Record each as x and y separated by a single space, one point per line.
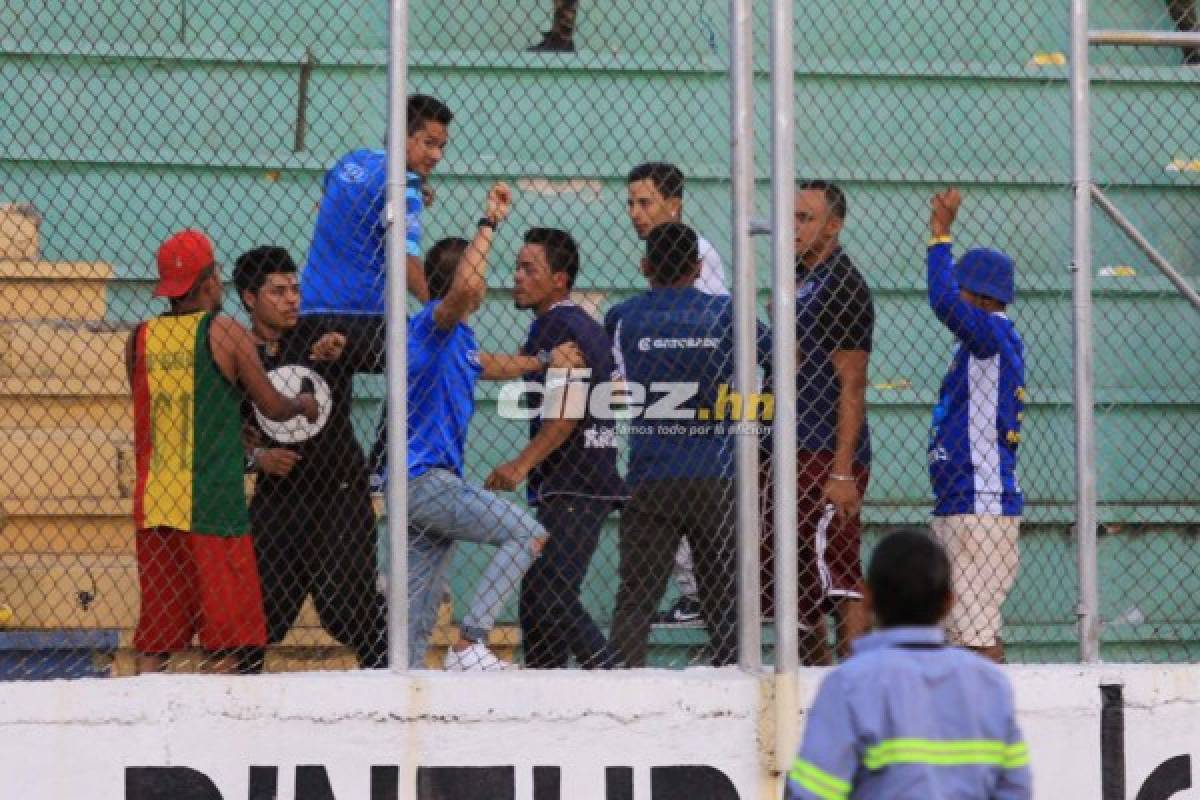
422 109
252 267
441 264
835 198
562 254
909 578
667 178
672 251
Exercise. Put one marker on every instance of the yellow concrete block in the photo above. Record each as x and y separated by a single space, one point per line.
19 224
59 463
59 535
75 591
61 350
55 290
107 413
49 403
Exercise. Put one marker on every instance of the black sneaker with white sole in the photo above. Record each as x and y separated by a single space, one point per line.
684 614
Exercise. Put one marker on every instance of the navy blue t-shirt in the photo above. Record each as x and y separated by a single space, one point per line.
678 338
586 463
834 312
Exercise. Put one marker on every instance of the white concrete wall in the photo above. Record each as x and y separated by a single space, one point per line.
63 740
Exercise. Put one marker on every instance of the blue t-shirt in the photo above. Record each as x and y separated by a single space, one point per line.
443 367
684 338
586 463
976 426
346 269
834 312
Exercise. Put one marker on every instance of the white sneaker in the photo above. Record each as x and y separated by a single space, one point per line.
476 658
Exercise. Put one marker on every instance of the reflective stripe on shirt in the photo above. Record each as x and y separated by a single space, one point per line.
964 752
817 781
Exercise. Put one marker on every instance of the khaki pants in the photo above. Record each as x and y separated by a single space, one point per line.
984 556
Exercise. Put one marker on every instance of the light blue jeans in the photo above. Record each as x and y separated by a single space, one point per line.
443 510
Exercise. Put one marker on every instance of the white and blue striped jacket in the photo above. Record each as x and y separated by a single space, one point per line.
977 421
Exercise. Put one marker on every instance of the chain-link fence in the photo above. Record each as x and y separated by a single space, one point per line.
261 125
1145 123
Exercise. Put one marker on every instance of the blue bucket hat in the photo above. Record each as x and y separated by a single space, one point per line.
987 272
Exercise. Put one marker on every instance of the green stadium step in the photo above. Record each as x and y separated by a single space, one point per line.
919 32
244 206
218 114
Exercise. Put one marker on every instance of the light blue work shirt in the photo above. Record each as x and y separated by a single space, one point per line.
909 718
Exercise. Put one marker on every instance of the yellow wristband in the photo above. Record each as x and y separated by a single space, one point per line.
940 240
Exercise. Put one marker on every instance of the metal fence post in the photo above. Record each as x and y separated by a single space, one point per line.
783 314
1084 378
741 70
397 342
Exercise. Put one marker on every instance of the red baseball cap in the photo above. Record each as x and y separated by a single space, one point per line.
181 259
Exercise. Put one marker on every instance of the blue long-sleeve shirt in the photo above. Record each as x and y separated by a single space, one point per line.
346 269
908 718
976 425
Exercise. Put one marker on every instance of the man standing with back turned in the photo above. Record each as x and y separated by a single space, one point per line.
681 467
187 370
655 197
976 430
909 717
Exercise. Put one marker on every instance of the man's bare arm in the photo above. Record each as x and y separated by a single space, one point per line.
502 366
851 369
550 437
234 351
470 280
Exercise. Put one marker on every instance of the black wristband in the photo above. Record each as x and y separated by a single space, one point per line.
485 222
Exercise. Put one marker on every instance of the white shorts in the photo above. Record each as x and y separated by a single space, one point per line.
984 556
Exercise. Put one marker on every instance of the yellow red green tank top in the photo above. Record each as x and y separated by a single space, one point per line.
187 431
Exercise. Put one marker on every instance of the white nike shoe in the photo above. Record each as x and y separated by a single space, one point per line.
476 658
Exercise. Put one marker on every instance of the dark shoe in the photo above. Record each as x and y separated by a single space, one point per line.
684 614
1191 56
551 43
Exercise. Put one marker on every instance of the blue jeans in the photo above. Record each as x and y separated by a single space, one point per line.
443 510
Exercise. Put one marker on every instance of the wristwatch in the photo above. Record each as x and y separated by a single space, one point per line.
543 357
487 222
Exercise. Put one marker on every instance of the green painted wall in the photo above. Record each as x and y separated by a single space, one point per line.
123 120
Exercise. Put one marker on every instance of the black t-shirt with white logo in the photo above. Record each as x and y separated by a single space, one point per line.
330 455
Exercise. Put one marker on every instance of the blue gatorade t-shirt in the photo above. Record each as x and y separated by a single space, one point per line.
443 367
678 340
346 269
